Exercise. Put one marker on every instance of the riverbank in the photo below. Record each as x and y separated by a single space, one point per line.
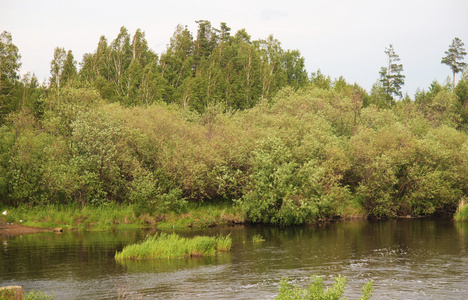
15 229
25 220
113 217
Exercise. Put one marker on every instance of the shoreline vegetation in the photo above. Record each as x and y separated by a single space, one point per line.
38 219
221 129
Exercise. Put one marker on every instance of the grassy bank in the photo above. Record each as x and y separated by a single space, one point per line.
111 217
165 245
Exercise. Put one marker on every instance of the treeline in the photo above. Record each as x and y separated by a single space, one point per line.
296 152
195 71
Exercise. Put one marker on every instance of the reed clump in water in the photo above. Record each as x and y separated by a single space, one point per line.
165 245
258 238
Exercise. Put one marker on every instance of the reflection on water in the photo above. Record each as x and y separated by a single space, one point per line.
407 259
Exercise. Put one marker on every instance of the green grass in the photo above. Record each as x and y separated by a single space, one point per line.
165 245
77 218
316 290
112 216
462 213
32 295
203 215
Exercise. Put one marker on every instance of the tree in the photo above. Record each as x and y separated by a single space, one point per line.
9 66
391 77
120 57
294 65
461 91
9 58
69 69
176 64
57 67
454 57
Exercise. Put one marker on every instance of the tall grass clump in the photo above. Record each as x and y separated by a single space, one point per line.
316 290
32 295
462 211
165 245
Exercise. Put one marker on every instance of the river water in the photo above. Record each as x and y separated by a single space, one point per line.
406 259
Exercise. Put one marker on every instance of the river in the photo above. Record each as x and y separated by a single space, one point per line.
406 259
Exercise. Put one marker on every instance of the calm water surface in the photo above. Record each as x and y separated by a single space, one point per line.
407 259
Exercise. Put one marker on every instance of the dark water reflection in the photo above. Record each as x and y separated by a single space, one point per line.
407 259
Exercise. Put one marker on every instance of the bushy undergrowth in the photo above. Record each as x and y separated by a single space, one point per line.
316 290
307 156
165 245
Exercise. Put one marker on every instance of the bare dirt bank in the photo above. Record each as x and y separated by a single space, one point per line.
15 229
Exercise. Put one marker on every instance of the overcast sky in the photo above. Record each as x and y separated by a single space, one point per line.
340 37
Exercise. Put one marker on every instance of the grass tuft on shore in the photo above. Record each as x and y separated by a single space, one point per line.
165 245
462 213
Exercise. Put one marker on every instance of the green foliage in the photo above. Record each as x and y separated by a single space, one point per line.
32 295
454 57
195 73
440 107
165 245
223 119
9 67
38 295
461 90
438 176
274 195
73 217
391 77
316 290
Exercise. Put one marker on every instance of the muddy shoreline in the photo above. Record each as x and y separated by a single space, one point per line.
15 229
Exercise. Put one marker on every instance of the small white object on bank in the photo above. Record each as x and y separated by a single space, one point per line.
5 212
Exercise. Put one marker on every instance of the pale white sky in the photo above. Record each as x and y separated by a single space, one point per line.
341 37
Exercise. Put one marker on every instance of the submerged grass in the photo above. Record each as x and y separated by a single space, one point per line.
165 245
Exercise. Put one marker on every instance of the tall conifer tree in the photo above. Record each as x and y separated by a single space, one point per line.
391 77
454 57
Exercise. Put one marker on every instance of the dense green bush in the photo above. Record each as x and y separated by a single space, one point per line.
284 191
305 157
